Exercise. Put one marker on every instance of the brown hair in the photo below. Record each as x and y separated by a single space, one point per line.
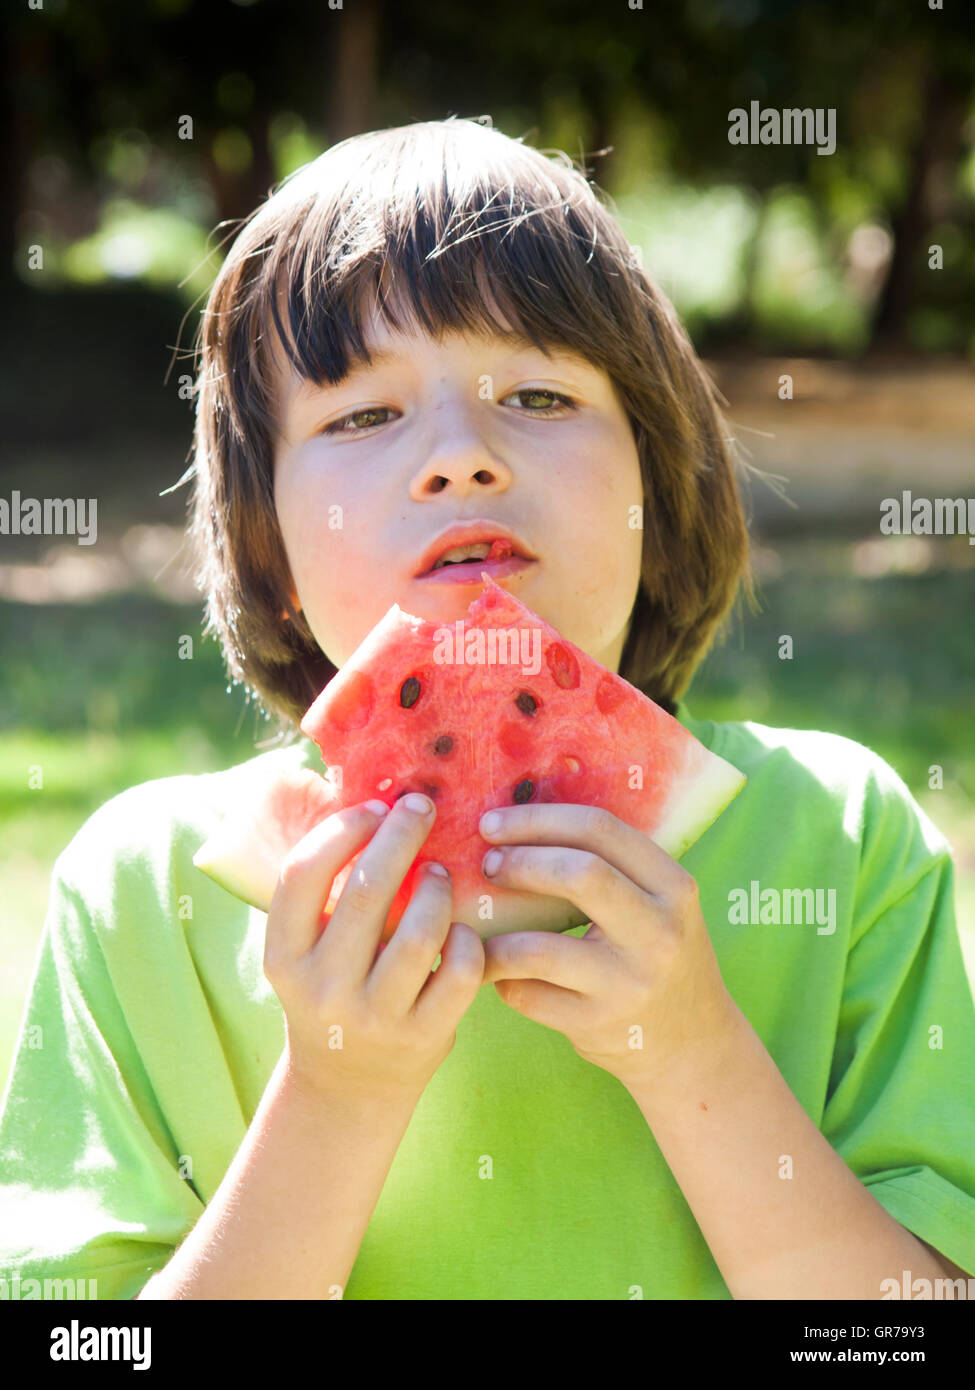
432 208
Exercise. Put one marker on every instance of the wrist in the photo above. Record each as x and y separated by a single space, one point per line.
314 1097
702 1067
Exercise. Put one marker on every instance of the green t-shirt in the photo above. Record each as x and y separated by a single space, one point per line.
150 1034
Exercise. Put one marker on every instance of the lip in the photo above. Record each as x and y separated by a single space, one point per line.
470 572
469 533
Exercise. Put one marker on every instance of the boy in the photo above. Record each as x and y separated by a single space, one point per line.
426 325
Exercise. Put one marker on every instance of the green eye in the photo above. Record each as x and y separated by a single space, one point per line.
339 426
351 424
564 402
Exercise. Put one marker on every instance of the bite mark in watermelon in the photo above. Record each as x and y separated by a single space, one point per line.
496 709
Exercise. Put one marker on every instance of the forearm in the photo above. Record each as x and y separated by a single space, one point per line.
288 1219
783 1215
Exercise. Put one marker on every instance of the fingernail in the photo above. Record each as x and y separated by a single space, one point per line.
491 861
491 822
378 808
416 802
438 869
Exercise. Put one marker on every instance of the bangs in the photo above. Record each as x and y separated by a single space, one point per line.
503 242
436 228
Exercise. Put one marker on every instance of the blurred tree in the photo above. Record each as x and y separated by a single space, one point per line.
352 79
938 144
86 82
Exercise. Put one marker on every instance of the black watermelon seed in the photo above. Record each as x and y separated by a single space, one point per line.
526 703
443 744
524 791
409 692
431 791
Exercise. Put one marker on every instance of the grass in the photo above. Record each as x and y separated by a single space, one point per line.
97 698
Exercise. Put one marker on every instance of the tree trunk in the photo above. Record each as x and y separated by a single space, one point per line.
352 103
20 140
600 165
938 140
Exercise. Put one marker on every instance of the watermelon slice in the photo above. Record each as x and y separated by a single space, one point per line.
495 709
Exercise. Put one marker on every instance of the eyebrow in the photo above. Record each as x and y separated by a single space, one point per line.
385 357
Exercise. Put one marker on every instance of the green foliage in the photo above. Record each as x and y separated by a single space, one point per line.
109 86
113 669
884 661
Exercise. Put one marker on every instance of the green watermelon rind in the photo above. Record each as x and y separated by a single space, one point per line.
226 858
704 790
245 852
234 859
240 861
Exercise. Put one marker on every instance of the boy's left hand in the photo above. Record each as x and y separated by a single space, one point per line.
648 964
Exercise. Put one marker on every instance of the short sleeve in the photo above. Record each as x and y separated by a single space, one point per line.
900 1109
89 1190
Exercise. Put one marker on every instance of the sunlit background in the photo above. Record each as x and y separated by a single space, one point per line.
780 261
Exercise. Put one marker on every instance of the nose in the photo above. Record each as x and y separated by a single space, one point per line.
462 461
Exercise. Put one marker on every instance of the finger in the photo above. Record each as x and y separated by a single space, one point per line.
402 970
592 828
348 944
571 963
306 876
592 885
542 1002
449 993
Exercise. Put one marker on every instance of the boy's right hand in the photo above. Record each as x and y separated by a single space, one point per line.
397 1022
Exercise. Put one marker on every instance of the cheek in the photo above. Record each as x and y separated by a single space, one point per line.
604 529
288 514
612 577
312 519
326 540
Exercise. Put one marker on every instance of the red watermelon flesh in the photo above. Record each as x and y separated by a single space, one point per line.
497 709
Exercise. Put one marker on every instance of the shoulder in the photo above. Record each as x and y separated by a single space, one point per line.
806 754
147 827
819 776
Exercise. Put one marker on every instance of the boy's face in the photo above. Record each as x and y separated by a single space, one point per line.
456 431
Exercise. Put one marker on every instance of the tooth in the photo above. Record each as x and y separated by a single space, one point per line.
476 551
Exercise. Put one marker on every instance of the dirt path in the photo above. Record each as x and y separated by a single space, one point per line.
851 435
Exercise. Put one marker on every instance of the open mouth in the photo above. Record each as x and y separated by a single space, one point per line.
470 571
463 564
